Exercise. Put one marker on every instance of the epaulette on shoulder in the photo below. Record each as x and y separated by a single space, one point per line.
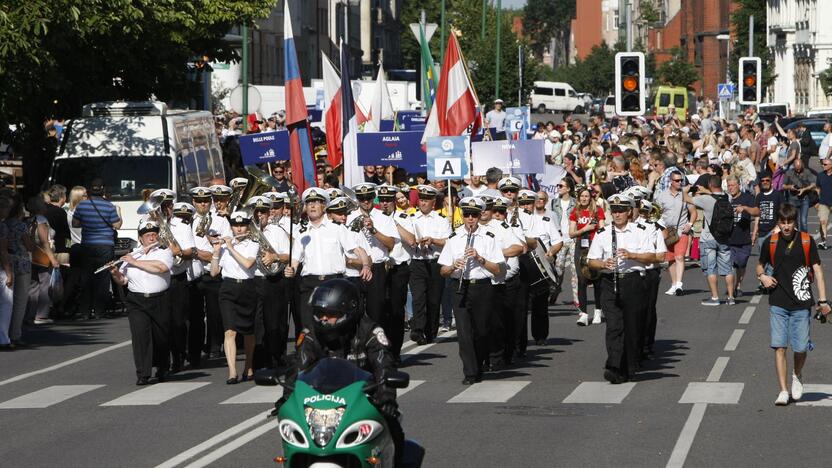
641 226
302 228
489 233
600 230
441 214
527 211
452 234
404 215
505 225
546 218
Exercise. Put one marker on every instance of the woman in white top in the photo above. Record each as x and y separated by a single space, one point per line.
235 258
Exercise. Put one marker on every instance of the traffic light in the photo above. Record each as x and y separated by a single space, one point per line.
750 71
629 84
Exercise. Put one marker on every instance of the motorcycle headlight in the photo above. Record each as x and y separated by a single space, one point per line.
323 423
359 433
292 433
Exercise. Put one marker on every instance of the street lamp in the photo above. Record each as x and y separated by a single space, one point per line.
727 39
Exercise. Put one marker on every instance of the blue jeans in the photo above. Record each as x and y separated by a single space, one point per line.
803 209
790 327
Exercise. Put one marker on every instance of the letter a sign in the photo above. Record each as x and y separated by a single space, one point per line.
447 157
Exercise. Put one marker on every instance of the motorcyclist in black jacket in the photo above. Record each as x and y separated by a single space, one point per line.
341 330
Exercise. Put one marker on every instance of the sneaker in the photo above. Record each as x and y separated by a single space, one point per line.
583 319
45 321
822 246
597 317
679 290
444 329
730 301
672 290
782 399
797 388
737 292
714 301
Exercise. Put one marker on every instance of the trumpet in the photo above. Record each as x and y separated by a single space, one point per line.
135 254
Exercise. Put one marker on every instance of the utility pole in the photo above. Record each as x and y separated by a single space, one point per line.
629 26
751 36
245 76
482 23
497 71
442 34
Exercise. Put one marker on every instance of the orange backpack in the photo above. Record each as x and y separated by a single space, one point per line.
805 241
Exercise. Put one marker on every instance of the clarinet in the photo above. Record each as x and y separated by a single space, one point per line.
615 257
468 243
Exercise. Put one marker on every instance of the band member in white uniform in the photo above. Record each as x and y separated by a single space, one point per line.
382 235
321 246
655 229
234 260
472 260
221 195
146 273
337 211
620 252
431 229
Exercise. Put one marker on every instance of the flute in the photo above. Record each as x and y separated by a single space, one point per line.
108 265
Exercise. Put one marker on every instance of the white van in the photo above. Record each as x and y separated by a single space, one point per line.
137 146
552 96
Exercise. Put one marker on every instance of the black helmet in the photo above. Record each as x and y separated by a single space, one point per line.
335 297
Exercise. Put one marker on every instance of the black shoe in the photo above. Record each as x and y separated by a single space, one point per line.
418 338
176 365
161 376
478 378
469 381
143 381
232 381
614 377
540 342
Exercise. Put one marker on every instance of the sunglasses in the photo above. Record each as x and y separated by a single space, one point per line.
470 214
675 180
560 186
620 209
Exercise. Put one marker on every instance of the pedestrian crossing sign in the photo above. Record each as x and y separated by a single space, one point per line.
725 90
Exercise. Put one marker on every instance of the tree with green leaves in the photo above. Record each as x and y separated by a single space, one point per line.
677 71
739 22
547 19
825 78
56 55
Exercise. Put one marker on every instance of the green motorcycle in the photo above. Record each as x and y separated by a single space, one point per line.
329 421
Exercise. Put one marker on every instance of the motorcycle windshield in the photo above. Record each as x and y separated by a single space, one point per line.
333 374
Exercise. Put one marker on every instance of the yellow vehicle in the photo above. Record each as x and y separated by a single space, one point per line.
671 95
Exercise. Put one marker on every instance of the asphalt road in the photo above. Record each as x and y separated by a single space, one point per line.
705 399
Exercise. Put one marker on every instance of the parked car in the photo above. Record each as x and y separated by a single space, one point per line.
609 107
553 96
820 113
783 109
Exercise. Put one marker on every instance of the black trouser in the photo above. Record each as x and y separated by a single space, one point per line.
624 313
375 292
520 310
290 293
179 300
397 279
473 307
583 283
306 285
540 316
654 277
426 286
206 309
149 319
275 318
503 336
95 288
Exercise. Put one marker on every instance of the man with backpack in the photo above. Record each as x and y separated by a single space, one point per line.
795 264
714 242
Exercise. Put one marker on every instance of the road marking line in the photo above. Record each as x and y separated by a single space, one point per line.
720 393
600 392
745 318
718 369
685 440
235 444
816 395
227 434
755 299
413 384
48 396
156 394
421 349
65 363
491 391
734 340
259 395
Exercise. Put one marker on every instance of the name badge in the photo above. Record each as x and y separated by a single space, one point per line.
584 243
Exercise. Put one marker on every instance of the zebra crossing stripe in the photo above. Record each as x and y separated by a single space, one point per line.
413 384
490 392
48 396
156 394
258 395
600 392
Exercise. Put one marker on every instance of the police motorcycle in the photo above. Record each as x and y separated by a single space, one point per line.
329 421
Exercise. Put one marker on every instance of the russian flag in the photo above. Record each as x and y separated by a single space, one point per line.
300 140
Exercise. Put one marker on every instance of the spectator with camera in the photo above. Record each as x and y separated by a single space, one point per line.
795 264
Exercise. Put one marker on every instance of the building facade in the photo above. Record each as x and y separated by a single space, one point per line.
801 48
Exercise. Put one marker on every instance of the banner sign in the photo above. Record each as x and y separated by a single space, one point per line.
266 147
549 179
518 121
400 149
409 118
511 156
447 157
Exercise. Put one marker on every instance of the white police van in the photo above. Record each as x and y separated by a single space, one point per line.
135 148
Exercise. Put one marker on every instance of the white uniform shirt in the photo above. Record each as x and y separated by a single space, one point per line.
549 232
278 240
219 225
399 254
140 281
383 224
288 227
322 248
230 268
528 223
654 231
185 238
632 238
507 236
431 225
485 243
360 240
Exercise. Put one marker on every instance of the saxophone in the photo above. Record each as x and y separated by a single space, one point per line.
204 224
265 247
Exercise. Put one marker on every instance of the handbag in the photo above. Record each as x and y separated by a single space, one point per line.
39 256
672 236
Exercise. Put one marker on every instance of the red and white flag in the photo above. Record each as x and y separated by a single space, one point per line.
455 106
333 119
381 108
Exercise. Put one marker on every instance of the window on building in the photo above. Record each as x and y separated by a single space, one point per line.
697 50
615 20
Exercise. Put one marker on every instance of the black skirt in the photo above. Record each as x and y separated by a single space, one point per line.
238 302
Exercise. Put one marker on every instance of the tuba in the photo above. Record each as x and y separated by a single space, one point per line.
256 235
238 187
